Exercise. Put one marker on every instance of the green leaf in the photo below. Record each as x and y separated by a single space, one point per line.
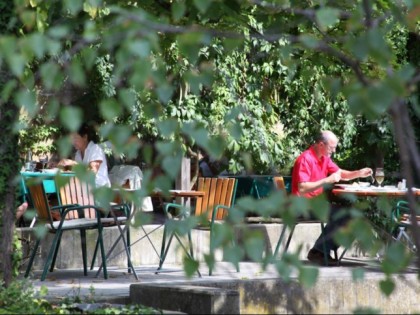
64 147
202 5
308 41
76 73
37 44
72 6
168 127
17 64
127 97
49 74
140 48
71 118
254 245
178 9
358 274
387 286
190 44
27 100
308 276
320 207
327 17
190 266
171 165
110 109
164 92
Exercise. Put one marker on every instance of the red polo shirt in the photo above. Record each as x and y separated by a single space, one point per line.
308 168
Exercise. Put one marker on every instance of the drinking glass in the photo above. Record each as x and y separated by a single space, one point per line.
43 160
379 176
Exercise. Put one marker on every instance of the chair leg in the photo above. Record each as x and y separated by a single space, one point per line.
128 238
84 254
164 250
324 246
289 239
31 260
190 244
55 255
101 246
53 248
94 254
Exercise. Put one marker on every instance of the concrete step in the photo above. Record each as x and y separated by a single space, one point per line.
146 244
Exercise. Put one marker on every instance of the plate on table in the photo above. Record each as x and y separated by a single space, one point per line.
384 188
354 186
50 170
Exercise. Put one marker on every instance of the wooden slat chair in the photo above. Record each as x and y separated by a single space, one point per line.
280 185
218 198
76 192
66 223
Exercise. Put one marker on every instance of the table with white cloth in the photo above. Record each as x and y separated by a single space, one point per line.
121 174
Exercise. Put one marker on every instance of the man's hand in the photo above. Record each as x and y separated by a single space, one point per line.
66 164
365 172
334 177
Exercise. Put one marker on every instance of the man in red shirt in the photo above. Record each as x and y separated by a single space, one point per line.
314 169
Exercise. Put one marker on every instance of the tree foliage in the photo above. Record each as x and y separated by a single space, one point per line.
248 80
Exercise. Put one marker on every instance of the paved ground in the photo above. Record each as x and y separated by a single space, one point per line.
71 283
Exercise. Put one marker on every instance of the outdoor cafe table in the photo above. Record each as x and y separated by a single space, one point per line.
174 193
47 178
371 191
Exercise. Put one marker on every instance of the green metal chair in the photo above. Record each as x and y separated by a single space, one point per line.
402 218
72 218
218 198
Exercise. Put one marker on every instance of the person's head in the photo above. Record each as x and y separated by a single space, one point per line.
82 137
327 142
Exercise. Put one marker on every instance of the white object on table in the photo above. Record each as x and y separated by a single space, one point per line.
119 175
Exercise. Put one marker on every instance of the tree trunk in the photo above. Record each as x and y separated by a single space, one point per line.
9 169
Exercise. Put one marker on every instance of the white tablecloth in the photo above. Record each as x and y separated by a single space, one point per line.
119 175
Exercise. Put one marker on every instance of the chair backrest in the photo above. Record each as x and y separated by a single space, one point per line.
218 191
40 202
279 183
77 192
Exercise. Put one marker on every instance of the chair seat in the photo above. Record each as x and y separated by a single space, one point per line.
108 221
75 223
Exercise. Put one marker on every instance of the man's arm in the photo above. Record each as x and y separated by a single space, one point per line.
306 187
349 175
94 166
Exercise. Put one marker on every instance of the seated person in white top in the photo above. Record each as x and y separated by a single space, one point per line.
89 153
